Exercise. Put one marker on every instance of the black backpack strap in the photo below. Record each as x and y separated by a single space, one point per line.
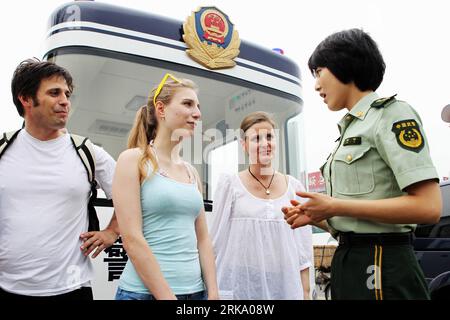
85 151
7 139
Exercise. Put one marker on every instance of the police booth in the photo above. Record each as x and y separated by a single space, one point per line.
116 55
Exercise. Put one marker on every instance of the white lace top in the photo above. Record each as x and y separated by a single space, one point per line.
258 255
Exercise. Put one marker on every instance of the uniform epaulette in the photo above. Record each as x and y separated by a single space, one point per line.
383 102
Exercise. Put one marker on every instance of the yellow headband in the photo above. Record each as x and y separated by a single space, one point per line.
161 85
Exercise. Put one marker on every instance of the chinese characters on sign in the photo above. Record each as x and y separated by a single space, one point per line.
117 258
316 182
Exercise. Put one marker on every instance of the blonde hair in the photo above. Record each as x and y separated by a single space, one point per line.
254 118
146 123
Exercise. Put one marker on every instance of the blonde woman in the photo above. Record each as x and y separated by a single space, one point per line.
258 256
159 205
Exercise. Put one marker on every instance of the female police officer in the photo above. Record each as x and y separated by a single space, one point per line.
380 179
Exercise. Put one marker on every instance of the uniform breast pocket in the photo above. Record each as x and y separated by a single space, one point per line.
353 170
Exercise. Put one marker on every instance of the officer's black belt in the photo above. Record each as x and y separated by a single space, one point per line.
383 239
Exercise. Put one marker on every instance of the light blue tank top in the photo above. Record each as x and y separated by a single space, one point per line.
169 210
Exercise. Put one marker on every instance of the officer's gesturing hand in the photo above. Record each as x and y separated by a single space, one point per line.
295 216
319 206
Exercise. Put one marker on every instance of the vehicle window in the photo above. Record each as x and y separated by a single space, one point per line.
111 87
223 159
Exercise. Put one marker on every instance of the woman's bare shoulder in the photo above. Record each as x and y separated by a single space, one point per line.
130 155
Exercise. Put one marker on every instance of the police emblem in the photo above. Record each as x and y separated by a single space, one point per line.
408 135
211 38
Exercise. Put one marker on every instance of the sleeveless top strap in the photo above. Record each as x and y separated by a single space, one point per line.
191 174
162 172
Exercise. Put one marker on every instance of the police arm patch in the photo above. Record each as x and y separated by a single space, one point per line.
408 135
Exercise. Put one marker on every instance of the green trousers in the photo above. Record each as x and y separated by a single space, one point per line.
374 272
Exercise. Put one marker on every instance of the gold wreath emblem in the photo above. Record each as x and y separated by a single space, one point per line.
211 56
408 135
412 139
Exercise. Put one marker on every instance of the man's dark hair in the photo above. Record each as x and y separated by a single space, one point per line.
352 56
28 76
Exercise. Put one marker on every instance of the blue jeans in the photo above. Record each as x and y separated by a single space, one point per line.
128 295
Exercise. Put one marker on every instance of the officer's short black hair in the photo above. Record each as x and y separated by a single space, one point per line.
28 76
352 56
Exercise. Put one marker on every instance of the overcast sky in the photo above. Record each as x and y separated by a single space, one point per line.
413 37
